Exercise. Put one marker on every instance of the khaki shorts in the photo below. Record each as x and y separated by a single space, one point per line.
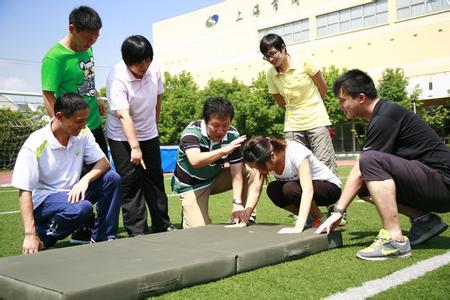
318 140
195 204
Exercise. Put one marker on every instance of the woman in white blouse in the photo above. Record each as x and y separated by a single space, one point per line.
303 182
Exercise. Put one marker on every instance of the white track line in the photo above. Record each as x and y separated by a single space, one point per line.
9 191
10 212
373 287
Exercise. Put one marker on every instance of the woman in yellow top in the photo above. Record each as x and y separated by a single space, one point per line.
299 88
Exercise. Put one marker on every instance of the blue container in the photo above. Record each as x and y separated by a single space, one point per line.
168 158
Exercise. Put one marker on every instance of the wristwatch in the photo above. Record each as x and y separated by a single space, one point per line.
237 201
333 208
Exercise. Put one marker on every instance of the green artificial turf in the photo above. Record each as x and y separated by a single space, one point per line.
312 277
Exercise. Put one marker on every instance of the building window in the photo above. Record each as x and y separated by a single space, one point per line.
353 18
413 8
290 32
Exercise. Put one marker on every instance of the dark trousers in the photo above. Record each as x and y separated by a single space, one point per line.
284 193
416 184
99 136
56 218
101 141
141 186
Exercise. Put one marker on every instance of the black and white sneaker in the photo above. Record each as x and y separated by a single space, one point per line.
422 231
81 236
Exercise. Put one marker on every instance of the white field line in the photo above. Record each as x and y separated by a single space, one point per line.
373 287
9 191
9 212
15 190
17 211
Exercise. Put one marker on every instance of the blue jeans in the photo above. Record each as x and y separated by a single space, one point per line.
56 218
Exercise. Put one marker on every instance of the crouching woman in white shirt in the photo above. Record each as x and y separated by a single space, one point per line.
303 182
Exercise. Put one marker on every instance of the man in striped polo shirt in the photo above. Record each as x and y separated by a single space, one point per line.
209 161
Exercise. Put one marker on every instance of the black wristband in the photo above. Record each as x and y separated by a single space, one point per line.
237 202
334 209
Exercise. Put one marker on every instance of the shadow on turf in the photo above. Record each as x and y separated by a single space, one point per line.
122 234
438 242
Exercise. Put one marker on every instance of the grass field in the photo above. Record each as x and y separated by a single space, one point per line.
312 277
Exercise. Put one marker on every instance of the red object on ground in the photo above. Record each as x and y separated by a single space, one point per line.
5 178
346 163
331 131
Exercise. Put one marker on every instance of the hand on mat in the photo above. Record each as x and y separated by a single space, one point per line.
78 191
239 218
239 214
330 224
236 225
30 244
289 230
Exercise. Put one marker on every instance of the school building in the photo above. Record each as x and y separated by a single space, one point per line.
222 40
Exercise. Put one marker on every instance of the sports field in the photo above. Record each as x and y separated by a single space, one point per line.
317 276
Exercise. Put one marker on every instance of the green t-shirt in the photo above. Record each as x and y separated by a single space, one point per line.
65 71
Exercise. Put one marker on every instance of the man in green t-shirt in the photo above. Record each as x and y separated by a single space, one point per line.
69 67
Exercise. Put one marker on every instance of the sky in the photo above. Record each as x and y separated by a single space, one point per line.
28 28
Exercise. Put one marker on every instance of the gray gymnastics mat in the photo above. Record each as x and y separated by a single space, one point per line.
139 267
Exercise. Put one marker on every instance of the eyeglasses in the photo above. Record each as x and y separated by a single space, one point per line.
271 55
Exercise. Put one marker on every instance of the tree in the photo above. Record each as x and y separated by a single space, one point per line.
439 118
178 107
331 102
255 110
102 91
220 88
271 121
392 86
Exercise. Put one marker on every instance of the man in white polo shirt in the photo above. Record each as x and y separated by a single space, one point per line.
134 89
54 201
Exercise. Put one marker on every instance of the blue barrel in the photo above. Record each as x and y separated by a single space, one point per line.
168 158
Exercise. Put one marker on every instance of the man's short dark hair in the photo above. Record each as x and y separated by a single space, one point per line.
135 49
85 18
271 40
69 103
353 83
217 107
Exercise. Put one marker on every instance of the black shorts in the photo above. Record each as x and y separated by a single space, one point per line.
284 193
417 185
